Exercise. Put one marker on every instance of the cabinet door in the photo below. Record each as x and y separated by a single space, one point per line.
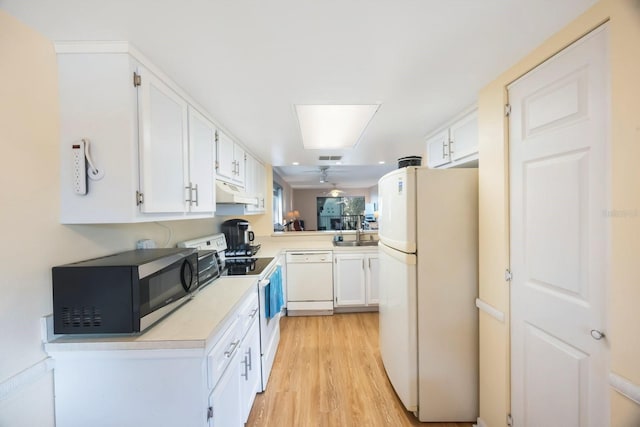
250 179
226 165
201 163
350 280
224 401
373 279
464 137
250 373
260 175
163 145
255 183
438 149
239 158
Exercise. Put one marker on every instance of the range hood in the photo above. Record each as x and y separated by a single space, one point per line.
229 193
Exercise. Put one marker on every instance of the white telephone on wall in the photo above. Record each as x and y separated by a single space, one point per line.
79 161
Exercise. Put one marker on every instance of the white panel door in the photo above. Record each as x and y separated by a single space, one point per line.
559 238
397 202
163 145
201 162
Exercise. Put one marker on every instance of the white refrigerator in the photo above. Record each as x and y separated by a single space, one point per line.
428 230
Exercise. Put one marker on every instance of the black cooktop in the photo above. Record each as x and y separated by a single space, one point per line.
245 266
242 251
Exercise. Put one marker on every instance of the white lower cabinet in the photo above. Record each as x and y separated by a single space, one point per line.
250 376
356 279
372 279
112 384
225 407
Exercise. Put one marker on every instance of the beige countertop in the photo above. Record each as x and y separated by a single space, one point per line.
192 326
195 324
273 245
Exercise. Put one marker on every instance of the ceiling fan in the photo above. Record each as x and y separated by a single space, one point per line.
334 192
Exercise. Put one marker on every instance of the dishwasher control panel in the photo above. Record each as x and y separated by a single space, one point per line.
309 256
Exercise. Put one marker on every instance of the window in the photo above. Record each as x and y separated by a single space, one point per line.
340 213
278 207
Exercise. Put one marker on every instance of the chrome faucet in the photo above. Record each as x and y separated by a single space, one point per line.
359 229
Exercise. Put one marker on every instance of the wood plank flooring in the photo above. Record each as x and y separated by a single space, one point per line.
328 372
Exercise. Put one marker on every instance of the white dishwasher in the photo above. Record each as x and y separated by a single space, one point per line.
309 283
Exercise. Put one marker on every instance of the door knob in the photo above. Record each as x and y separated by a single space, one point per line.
597 335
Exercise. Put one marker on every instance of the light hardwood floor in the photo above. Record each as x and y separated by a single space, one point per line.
328 372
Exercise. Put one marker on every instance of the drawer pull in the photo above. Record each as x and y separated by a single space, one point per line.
253 313
232 348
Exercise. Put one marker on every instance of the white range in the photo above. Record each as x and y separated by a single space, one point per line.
265 270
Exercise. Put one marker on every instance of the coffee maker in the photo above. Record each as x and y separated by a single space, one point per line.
239 238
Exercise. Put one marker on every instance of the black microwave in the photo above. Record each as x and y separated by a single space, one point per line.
122 293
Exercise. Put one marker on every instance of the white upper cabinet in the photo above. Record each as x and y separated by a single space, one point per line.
201 178
255 183
438 149
456 145
239 157
463 138
163 145
226 165
154 151
231 161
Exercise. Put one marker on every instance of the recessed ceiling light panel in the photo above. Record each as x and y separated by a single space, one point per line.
333 126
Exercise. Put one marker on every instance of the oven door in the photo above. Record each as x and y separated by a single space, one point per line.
269 326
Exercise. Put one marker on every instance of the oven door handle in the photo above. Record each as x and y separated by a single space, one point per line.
264 283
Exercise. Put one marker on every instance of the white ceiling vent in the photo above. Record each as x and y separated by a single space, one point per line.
330 158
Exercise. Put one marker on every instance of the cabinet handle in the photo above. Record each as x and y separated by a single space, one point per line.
444 147
451 150
253 313
250 364
246 369
232 349
369 263
363 263
196 200
189 198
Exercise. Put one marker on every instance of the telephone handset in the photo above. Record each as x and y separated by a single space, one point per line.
79 161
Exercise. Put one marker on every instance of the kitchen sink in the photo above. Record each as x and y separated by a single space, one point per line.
354 243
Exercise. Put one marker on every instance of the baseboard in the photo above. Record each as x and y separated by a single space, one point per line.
28 376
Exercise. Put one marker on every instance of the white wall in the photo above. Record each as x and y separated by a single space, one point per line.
32 239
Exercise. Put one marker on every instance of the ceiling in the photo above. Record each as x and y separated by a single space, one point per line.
249 62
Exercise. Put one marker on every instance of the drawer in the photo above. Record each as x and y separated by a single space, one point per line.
248 312
222 352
